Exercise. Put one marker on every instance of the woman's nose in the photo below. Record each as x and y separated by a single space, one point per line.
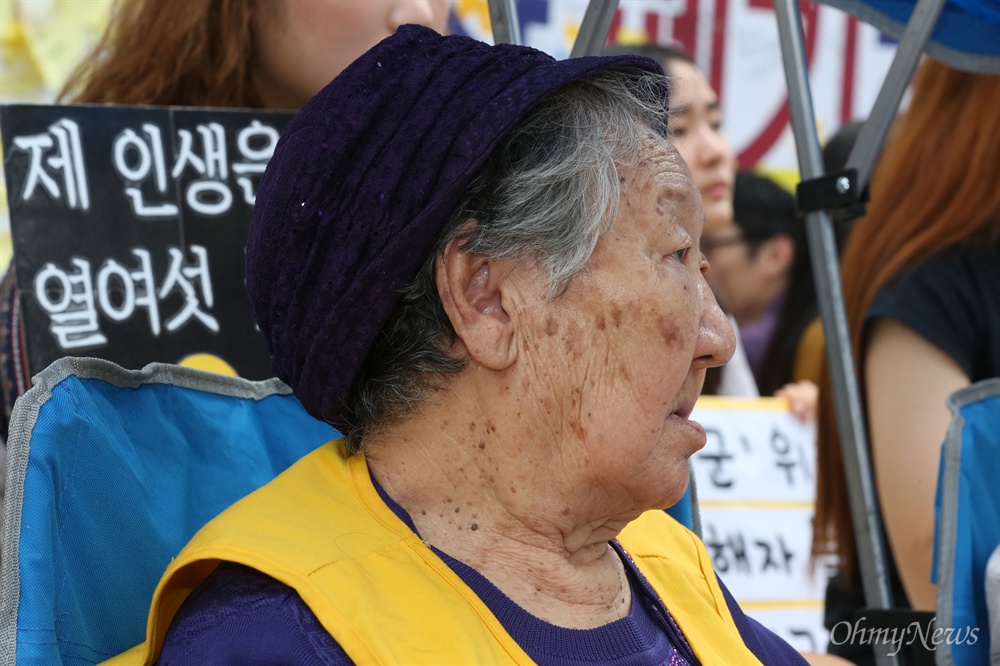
716 338
713 147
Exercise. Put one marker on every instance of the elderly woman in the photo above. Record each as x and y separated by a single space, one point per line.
482 265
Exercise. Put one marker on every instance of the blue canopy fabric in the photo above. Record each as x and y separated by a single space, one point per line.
109 473
966 35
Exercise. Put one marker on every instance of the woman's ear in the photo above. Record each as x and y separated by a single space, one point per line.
471 292
779 253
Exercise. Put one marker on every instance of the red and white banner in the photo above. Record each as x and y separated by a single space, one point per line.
735 42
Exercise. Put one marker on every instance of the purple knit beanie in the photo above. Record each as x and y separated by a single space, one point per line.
361 184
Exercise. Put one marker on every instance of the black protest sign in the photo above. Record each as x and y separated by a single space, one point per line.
129 226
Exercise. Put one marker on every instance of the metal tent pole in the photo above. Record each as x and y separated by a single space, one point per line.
875 128
826 271
503 18
594 28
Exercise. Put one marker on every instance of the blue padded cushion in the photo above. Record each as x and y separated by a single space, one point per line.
968 530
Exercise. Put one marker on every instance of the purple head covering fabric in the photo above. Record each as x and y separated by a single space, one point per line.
361 184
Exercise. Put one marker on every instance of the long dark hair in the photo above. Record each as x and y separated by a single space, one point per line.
935 187
188 53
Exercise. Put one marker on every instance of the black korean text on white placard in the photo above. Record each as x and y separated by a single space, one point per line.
756 479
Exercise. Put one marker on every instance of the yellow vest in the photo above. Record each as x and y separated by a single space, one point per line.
383 594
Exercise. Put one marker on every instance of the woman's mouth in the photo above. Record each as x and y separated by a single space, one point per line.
684 409
680 417
716 190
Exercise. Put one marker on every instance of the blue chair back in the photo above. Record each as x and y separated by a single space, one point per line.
968 522
686 511
109 473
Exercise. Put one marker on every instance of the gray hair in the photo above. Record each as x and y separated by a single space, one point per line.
547 193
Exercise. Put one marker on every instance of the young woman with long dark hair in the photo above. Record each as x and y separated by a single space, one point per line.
921 281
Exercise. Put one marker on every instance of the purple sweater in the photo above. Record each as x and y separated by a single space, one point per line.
241 616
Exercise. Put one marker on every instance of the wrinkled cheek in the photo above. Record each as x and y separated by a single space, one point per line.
669 351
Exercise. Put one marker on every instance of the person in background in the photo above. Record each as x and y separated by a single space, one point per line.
921 283
265 54
751 257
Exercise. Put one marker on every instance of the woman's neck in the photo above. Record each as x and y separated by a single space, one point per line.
485 498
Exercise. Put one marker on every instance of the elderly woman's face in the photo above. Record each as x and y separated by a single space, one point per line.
621 357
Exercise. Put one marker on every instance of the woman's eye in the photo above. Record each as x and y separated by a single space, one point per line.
677 132
680 255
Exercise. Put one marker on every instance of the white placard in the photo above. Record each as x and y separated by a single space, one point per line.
756 481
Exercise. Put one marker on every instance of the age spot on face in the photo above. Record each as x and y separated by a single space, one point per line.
570 345
601 324
551 326
668 331
616 316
